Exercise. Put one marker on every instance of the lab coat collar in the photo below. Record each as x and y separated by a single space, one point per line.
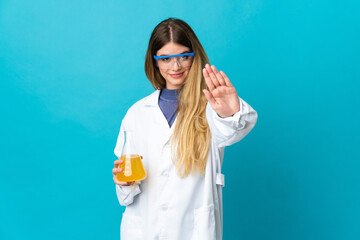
153 99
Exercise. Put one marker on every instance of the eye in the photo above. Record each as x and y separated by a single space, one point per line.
165 59
184 58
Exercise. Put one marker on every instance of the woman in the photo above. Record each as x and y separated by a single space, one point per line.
181 131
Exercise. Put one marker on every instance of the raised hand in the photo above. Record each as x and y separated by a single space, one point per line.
222 95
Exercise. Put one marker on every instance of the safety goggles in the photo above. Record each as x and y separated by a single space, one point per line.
183 60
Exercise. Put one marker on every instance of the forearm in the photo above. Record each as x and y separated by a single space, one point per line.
227 131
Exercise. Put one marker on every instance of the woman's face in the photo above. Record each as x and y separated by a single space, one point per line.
175 74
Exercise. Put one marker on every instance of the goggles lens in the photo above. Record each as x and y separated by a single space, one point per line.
183 60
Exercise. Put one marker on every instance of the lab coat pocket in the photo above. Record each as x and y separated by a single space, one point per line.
131 227
204 223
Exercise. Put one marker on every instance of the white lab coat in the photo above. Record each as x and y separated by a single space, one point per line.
165 206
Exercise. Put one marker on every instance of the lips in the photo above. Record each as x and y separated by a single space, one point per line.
176 75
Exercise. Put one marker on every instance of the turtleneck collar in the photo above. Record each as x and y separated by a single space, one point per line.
169 94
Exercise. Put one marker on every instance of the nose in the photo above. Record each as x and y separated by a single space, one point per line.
176 65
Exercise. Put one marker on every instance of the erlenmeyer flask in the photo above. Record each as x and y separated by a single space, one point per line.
133 169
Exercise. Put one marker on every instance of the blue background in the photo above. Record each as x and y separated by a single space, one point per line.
69 70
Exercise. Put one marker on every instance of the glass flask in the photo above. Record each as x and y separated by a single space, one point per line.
133 169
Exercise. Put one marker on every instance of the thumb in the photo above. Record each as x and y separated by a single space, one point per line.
209 97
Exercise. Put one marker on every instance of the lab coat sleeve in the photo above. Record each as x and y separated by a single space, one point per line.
125 194
227 131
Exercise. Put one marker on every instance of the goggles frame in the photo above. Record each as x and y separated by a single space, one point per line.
176 55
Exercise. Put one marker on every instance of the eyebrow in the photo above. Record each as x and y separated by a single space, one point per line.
174 54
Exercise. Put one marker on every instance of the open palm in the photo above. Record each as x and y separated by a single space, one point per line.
221 95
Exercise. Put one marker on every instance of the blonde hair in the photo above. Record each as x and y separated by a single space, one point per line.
191 139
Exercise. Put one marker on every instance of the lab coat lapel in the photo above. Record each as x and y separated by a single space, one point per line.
165 132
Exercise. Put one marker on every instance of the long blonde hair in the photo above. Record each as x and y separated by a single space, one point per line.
191 139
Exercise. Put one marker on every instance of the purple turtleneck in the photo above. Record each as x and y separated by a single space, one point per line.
168 101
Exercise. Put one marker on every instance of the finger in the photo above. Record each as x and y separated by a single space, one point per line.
212 76
122 183
218 76
116 170
209 97
117 162
208 80
227 81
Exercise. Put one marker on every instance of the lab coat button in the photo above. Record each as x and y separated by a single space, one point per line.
220 179
164 207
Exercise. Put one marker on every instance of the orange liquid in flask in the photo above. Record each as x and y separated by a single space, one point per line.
133 169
